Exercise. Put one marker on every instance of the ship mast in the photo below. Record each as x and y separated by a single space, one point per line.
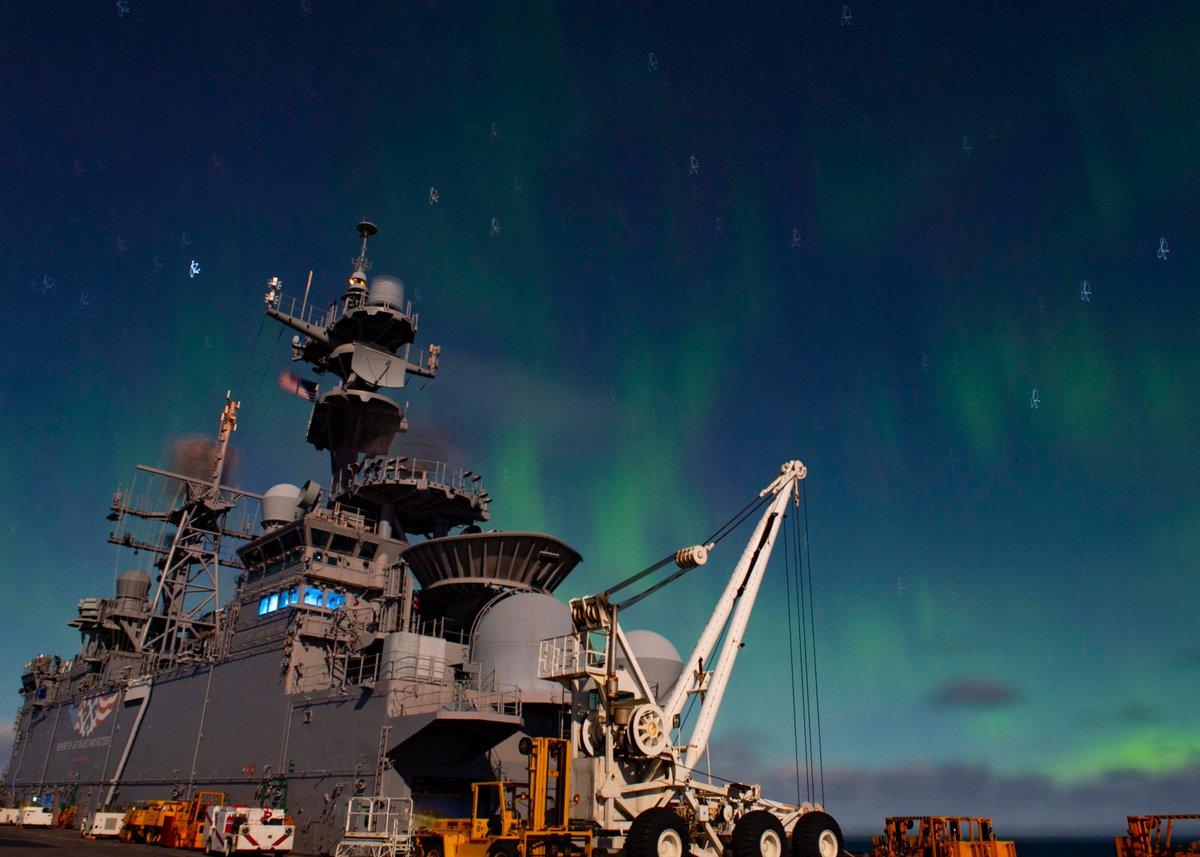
365 340
185 601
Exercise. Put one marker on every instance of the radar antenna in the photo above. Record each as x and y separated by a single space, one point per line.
361 264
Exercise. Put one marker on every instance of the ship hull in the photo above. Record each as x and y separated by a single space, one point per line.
224 728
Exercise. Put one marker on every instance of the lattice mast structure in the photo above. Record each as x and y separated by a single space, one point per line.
187 597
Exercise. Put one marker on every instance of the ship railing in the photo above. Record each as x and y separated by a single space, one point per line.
423 669
343 306
377 821
502 700
426 669
436 627
572 656
383 470
320 317
309 313
458 696
339 514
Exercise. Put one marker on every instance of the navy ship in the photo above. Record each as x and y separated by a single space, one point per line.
318 641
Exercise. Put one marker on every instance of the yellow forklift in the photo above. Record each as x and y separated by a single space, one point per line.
513 819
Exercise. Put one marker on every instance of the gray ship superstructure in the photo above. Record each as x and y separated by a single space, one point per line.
349 660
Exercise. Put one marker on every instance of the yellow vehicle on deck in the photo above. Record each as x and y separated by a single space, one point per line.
143 822
940 836
512 819
186 827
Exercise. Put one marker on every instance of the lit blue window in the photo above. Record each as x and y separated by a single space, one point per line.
333 600
312 596
273 602
293 595
263 608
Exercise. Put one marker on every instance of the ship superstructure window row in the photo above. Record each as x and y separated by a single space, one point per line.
312 596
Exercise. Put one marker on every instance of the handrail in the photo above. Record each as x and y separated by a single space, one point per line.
384 469
335 311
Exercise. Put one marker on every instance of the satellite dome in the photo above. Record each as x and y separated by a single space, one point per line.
386 291
280 505
134 583
507 635
659 660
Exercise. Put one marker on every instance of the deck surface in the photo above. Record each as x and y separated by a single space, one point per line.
54 841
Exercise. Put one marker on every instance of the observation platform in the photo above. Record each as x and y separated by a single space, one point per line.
425 496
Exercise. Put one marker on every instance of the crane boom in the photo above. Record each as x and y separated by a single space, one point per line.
738 599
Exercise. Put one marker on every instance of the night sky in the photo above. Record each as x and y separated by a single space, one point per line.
670 249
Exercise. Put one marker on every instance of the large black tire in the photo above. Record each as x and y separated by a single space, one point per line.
658 832
816 834
502 849
759 834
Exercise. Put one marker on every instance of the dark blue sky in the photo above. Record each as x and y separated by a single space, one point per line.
877 260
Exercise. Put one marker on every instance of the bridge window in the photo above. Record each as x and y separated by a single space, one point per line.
313 596
342 545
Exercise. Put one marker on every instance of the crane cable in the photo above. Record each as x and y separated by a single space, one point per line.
787 578
802 635
813 625
801 631
721 532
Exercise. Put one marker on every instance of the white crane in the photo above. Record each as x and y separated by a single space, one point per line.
636 785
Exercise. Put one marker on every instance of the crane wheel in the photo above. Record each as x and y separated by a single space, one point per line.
816 834
759 834
658 832
502 849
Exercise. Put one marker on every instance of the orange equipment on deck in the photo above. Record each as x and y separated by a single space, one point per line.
66 817
940 836
1150 836
143 823
185 829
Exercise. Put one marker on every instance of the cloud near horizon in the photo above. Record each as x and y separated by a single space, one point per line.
974 693
1020 804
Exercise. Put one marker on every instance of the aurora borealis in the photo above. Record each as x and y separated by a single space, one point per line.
877 260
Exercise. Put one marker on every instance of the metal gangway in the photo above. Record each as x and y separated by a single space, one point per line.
377 827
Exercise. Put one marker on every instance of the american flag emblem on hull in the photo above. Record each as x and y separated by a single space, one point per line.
89 713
